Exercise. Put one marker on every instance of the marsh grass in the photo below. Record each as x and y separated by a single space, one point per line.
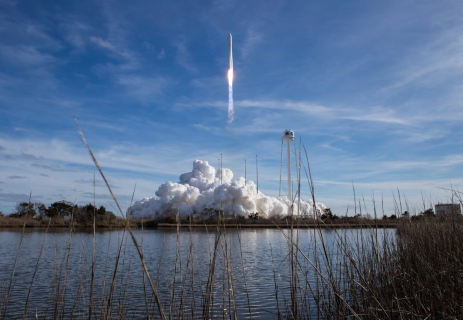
44 222
419 276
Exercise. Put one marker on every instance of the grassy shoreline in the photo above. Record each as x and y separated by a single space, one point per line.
168 222
9 222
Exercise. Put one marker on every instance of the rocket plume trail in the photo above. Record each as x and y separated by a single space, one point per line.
231 112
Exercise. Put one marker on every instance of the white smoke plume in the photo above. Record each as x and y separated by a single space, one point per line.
201 189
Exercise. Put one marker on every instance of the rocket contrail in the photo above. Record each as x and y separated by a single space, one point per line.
230 80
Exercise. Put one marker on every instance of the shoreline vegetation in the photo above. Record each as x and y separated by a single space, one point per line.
211 222
65 214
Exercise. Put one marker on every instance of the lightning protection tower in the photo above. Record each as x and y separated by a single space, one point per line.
286 139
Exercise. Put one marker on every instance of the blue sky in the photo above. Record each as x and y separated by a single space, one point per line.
374 89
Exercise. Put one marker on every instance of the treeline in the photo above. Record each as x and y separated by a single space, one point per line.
81 214
327 215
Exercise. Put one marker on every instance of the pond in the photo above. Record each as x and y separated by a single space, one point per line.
196 274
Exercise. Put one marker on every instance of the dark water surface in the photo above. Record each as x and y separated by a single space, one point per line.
251 272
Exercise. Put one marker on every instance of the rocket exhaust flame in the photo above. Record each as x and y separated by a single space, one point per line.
231 112
230 77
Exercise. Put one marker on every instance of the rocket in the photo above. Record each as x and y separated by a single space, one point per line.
230 54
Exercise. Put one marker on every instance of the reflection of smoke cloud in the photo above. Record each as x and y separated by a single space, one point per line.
201 189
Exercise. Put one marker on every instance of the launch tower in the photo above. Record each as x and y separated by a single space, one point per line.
286 139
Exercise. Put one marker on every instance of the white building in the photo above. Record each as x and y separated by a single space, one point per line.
447 209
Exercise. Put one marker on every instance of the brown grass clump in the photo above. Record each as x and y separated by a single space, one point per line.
417 276
28 222
19 222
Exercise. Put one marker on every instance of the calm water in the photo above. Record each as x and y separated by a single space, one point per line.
251 272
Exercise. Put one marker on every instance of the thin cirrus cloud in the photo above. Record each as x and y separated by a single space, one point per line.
103 43
52 167
375 114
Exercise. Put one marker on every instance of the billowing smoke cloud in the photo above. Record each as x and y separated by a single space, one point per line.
207 188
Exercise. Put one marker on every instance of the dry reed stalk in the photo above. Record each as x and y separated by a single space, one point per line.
35 271
224 290
320 276
62 298
192 280
123 287
55 281
331 281
333 285
208 298
80 287
231 297
12 274
244 273
92 281
160 261
103 288
177 257
113 280
134 240
182 295
143 275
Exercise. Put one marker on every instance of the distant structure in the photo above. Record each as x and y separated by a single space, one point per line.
447 209
288 137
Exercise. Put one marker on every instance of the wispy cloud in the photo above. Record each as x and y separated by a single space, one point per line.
252 39
201 126
183 56
103 43
375 114
161 54
75 33
25 56
52 167
144 89
107 196
330 147
16 197
29 156
16 177
433 62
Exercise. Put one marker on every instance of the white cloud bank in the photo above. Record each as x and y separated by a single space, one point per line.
205 187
